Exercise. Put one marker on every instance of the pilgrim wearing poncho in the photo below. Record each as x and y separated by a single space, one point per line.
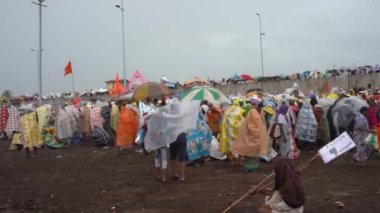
307 125
84 122
251 141
64 125
3 117
30 131
13 124
114 116
43 115
127 127
231 122
96 117
286 142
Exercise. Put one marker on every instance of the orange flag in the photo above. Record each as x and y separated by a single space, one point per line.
68 69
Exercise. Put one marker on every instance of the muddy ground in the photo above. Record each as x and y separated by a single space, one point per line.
90 179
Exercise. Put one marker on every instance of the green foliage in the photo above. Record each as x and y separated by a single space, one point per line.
7 93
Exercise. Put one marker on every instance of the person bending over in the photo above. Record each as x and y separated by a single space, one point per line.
288 195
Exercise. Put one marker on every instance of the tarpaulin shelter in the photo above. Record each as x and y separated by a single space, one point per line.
195 80
168 83
235 78
246 77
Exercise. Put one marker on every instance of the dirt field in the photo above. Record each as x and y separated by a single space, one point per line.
90 179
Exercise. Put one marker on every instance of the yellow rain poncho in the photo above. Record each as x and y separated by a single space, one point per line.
114 116
333 96
16 140
43 113
30 131
231 122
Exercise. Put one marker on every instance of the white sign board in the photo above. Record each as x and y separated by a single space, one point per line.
337 147
143 108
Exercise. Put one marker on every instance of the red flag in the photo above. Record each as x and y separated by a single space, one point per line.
68 69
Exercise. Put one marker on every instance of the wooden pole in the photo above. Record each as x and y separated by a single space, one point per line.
259 186
252 190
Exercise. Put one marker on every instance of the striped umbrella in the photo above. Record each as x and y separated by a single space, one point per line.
200 93
150 90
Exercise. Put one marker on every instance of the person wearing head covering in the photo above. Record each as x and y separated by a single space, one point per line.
13 123
84 123
3 118
286 141
127 127
317 112
288 195
360 133
31 132
65 126
114 116
252 141
204 110
214 115
307 126
231 121
372 118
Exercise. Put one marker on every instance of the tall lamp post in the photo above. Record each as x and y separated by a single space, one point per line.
261 49
121 7
38 67
40 5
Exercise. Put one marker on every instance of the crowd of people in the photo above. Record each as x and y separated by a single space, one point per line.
251 129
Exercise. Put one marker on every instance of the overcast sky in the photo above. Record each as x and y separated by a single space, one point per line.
181 39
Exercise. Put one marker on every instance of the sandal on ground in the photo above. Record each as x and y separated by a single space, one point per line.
183 180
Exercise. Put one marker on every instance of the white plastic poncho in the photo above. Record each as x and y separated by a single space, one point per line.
168 122
64 125
307 125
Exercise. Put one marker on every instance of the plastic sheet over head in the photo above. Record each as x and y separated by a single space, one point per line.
169 121
343 115
325 102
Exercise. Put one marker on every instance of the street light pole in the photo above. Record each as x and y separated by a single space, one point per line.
261 49
123 39
38 62
40 45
